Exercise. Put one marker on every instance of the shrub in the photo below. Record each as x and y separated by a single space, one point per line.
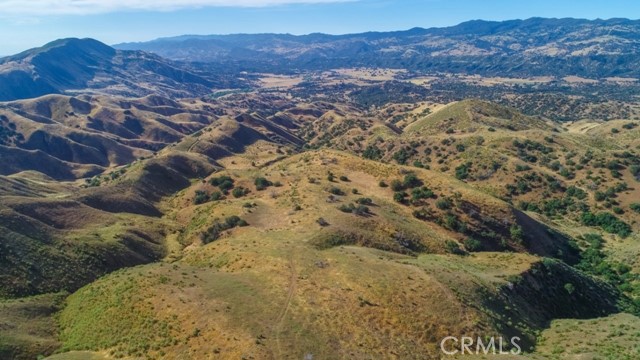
472 244
372 153
411 181
453 247
239 192
216 195
462 171
451 222
516 232
262 183
382 184
635 171
635 207
214 231
322 222
608 222
365 201
336 191
396 185
217 181
201 197
443 204
569 288
399 196
344 178
573 191
226 185
421 193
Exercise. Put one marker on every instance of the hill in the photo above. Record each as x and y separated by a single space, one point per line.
281 224
86 65
520 48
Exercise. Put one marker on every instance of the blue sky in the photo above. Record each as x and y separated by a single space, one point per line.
31 23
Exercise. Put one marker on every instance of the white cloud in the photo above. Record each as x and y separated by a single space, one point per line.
80 7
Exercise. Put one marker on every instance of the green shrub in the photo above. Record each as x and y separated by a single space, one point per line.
472 244
262 183
216 195
344 178
462 171
217 181
399 196
635 207
200 197
516 232
396 185
411 181
608 222
364 201
421 193
372 153
453 247
444 204
214 231
382 184
239 192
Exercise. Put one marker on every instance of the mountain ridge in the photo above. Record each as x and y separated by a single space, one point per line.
522 48
86 65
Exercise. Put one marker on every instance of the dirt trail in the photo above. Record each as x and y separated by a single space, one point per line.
293 281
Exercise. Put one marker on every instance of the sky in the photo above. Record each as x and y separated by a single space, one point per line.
31 23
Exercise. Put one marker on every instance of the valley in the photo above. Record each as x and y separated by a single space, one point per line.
336 212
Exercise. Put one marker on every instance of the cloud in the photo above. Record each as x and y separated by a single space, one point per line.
82 7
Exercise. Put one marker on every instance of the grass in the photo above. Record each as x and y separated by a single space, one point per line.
612 337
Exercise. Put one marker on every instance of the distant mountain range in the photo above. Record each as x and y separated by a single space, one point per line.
533 47
89 66
192 66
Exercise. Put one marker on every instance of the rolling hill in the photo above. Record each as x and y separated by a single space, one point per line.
88 66
341 214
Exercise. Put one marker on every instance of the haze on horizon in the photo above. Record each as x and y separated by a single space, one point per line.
31 24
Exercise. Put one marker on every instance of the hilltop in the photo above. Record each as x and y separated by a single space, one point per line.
89 66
